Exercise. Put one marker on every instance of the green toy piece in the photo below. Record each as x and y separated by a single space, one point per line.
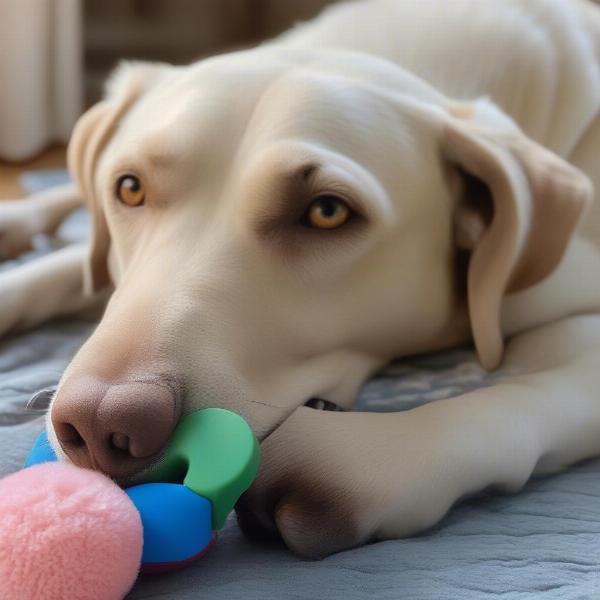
216 454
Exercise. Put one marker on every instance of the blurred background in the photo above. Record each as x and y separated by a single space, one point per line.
55 55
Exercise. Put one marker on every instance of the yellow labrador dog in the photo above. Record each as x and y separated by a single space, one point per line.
395 177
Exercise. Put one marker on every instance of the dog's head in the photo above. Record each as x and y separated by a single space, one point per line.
278 225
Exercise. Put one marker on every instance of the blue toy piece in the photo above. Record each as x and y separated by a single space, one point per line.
41 452
177 520
176 523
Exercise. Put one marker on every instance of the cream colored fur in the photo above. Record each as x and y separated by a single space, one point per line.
403 105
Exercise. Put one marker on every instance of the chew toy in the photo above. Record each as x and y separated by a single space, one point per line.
71 532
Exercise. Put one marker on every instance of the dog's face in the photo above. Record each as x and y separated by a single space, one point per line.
277 227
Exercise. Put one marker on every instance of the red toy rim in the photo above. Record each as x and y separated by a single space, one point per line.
168 567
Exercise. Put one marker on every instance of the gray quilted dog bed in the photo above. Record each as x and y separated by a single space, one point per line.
543 543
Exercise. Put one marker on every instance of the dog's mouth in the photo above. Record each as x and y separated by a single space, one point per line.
321 404
40 401
315 403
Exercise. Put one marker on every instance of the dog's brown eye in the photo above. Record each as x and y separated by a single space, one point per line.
327 212
130 190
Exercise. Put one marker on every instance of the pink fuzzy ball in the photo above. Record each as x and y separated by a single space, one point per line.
66 533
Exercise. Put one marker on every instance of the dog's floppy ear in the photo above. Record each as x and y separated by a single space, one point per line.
91 134
518 207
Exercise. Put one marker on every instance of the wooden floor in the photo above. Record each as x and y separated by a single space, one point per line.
53 158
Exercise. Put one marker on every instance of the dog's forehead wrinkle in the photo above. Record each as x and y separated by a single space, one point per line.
338 116
169 133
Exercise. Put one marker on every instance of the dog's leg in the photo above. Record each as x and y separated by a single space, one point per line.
330 481
45 288
20 220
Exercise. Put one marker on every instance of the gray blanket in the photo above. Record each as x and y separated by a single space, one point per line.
543 543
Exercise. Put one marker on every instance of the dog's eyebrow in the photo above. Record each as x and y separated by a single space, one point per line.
288 197
305 172
156 153
296 183
160 159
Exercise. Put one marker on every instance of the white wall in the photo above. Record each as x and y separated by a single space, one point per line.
41 66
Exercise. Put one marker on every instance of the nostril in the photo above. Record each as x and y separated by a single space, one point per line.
68 434
120 441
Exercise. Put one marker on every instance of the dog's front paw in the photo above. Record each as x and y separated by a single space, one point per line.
17 227
309 491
